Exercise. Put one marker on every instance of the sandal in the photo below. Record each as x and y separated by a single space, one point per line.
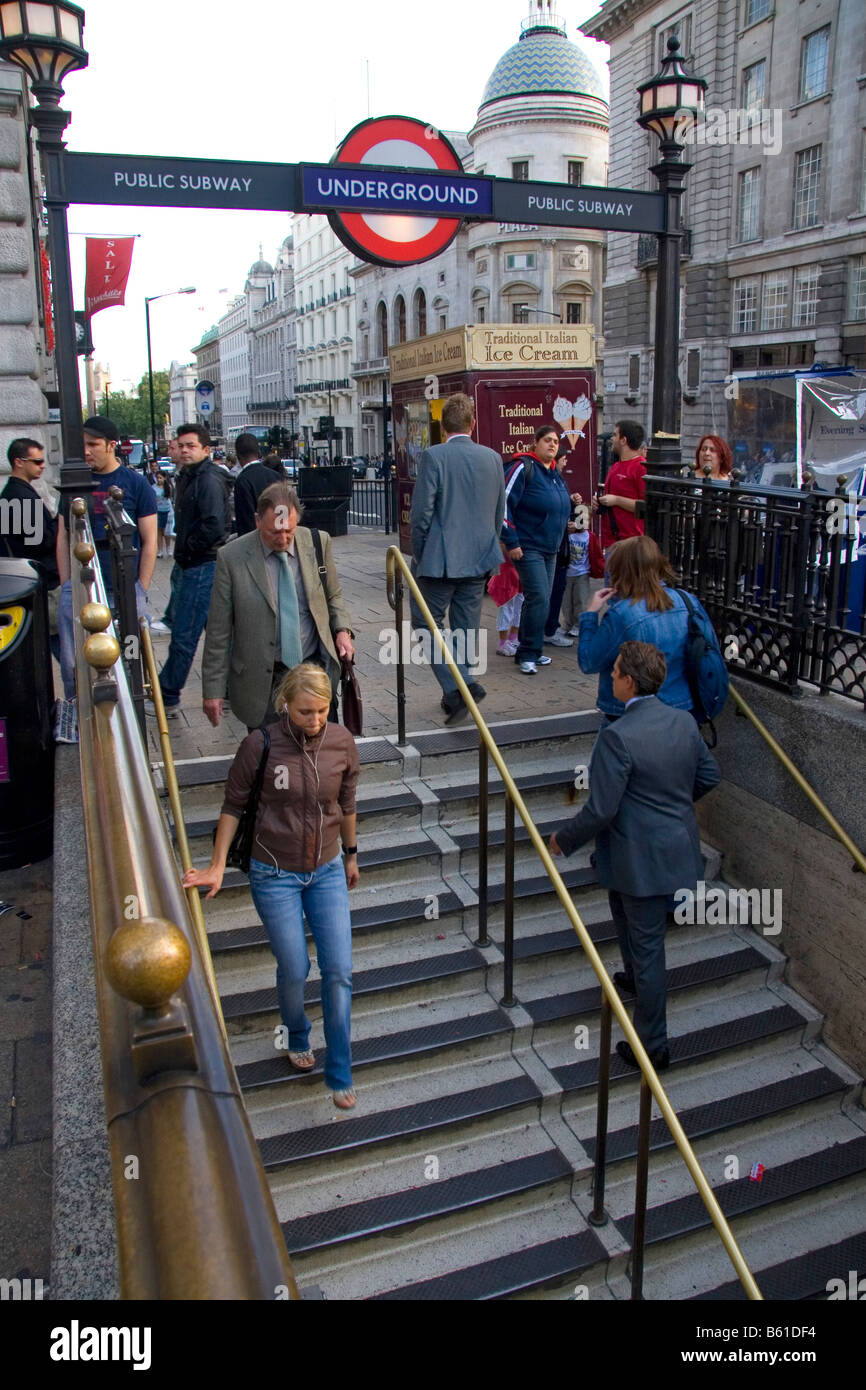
302 1061
344 1100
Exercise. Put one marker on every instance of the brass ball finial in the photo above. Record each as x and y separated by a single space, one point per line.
95 617
78 507
116 492
147 961
83 551
101 649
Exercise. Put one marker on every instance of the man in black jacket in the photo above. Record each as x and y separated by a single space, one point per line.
28 530
250 483
200 527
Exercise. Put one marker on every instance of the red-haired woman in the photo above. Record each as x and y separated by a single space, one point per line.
714 453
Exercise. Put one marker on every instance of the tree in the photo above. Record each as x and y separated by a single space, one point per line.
131 413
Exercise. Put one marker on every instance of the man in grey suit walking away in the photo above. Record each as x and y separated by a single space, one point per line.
647 769
457 510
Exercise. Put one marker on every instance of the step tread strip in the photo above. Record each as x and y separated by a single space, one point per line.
746 1106
792 1179
805 1276
425 1202
363 981
295 1145
703 1042
363 919
270 1071
508 1274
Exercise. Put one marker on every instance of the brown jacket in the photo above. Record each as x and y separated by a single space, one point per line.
309 786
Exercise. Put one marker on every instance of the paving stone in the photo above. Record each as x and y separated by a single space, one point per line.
25 1181
25 1001
32 1117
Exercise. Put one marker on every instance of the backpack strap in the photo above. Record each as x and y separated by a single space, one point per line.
320 559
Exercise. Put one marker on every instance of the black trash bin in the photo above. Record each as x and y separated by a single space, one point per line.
325 493
26 698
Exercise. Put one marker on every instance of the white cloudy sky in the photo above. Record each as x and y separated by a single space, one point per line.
275 80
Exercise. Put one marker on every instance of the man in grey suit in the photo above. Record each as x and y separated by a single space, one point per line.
243 651
648 767
457 510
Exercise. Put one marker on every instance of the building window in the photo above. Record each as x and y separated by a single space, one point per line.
814 64
520 260
575 171
863 171
382 330
693 369
680 29
774 301
807 188
745 319
754 90
806 296
520 313
573 312
520 170
749 205
757 9
480 314
400 318
420 314
857 289
443 322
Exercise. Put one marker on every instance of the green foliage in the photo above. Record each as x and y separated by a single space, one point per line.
131 413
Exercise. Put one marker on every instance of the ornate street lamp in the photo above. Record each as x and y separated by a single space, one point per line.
188 289
670 105
46 41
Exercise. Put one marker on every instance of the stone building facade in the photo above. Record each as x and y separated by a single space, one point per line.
325 308
234 368
207 368
774 257
271 342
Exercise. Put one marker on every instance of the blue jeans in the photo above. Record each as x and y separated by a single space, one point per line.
462 598
536 572
557 593
193 602
282 900
640 926
66 633
176 576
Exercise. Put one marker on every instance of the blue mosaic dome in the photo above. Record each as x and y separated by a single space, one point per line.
543 60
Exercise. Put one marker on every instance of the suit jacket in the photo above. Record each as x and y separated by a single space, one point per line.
457 510
240 641
646 771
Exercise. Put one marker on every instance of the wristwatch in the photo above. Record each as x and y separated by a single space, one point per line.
350 849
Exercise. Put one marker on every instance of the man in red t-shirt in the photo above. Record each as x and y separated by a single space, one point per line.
624 485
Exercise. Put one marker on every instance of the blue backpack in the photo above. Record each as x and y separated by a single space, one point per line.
706 671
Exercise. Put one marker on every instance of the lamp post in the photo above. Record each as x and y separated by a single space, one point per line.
670 104
189 289
528 309
46 41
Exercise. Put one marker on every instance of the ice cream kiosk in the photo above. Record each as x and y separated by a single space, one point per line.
519 376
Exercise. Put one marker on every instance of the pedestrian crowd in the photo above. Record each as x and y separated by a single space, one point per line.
278 639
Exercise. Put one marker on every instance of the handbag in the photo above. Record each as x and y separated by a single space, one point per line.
240 851
350 690
350 695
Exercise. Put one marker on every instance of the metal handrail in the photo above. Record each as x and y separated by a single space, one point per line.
199 1223
809 791
398 572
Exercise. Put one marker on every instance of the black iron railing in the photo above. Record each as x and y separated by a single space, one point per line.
778 573
374 503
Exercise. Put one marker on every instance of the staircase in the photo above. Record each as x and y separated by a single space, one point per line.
465 1171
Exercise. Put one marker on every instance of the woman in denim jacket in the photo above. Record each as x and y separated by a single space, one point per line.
641 605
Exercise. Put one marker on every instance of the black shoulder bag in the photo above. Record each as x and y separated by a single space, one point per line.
240 851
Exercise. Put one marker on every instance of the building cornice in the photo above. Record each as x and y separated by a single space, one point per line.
614 17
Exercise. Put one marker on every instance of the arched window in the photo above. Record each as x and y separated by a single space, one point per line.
420 314
400 318
382 330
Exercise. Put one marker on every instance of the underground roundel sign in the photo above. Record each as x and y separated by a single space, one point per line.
388 238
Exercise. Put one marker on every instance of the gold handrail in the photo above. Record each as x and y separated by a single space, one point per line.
195 1217
809 791
393 560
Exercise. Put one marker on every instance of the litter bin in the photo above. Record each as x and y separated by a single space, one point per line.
26 697
325 493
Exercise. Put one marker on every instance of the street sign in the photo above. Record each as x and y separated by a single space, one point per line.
406 144
151 181
125 447
205 399
366 189
326 422
555 204
83 339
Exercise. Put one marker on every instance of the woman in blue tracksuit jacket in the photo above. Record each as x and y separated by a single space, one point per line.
641 605
537 511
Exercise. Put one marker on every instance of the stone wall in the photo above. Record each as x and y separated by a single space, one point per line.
772 837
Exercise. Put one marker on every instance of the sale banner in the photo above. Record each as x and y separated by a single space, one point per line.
108 262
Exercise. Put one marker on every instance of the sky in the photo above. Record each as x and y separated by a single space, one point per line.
280 81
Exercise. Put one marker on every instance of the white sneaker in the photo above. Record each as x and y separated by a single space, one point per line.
529 668
558 639
160 628
574 632
546 660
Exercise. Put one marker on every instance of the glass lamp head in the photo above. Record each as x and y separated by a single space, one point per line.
45 39
672 101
